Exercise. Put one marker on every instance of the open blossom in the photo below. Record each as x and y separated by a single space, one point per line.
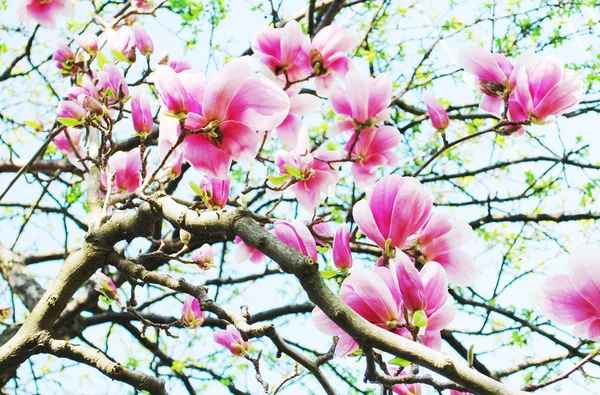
64 57
105 286
110 77
142 40
312 174
328 56
243 252
544 89
216 191
364 101
374 149
232 339
44 11
441 241
284 51
574 298
125 166
379 296
342 255
191 315
88 42
141 114
296 235
228 110
121 43
437 113
396 208
496 75
204 257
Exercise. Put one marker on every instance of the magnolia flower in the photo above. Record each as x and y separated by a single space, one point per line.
191 315
87 88
142 40
284 51
70 112
125 166
373 150
44 11
232 339
121 43
322 230
312 175
441 241
574 298
405 389
64 57
544 88
381 295
437 113
105 286
342 255
328 56
396 208
88 42
141 114
228 109
204 257
364 101
110 77
243 252
296 235
216 191
300 104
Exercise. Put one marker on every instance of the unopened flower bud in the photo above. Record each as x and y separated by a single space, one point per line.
185 236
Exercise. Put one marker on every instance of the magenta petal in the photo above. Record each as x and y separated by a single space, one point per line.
170 90
194 83
438 225
239 141
205 157
411 286
346 345
342 255
367 286
339 101
543 76
435 284
223 86
583 270
480 62
366 223
380 95
561 302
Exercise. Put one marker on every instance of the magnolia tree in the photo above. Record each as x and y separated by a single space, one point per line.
354 197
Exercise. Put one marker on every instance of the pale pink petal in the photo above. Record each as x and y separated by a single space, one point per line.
223 86
367 286
304 104
459 267
345 346
583 269
324 324
492 105
366 222
441 319
480 62
380 95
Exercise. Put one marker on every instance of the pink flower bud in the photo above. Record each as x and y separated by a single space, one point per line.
296 235
105 286
342 255
232 339
71 110
216 190
141 114
204 257
120 41
64 57
110 77
143 42
88 42
192 316
411 285
437 113
171 90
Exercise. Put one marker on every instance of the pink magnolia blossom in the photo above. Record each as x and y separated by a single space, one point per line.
300 104
110 77
296 235
61 141
228 110
322 230
574 298
64 57
284 51
87 87
141 114
373 150
544 89
437 113
378 296
496 75
121 43
441 241
311 173
126 168
396 208
44 12
232 339
364 101
142 40
69 109
204 257
328 56
105 286
342 255
216 191
243 252
191 315
405 389
88 42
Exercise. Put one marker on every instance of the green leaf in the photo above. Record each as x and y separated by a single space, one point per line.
109 92
292 171
178 366
329 273
197 189
399 362
33 124
119 56
278 180
69 122
420 319
102 60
